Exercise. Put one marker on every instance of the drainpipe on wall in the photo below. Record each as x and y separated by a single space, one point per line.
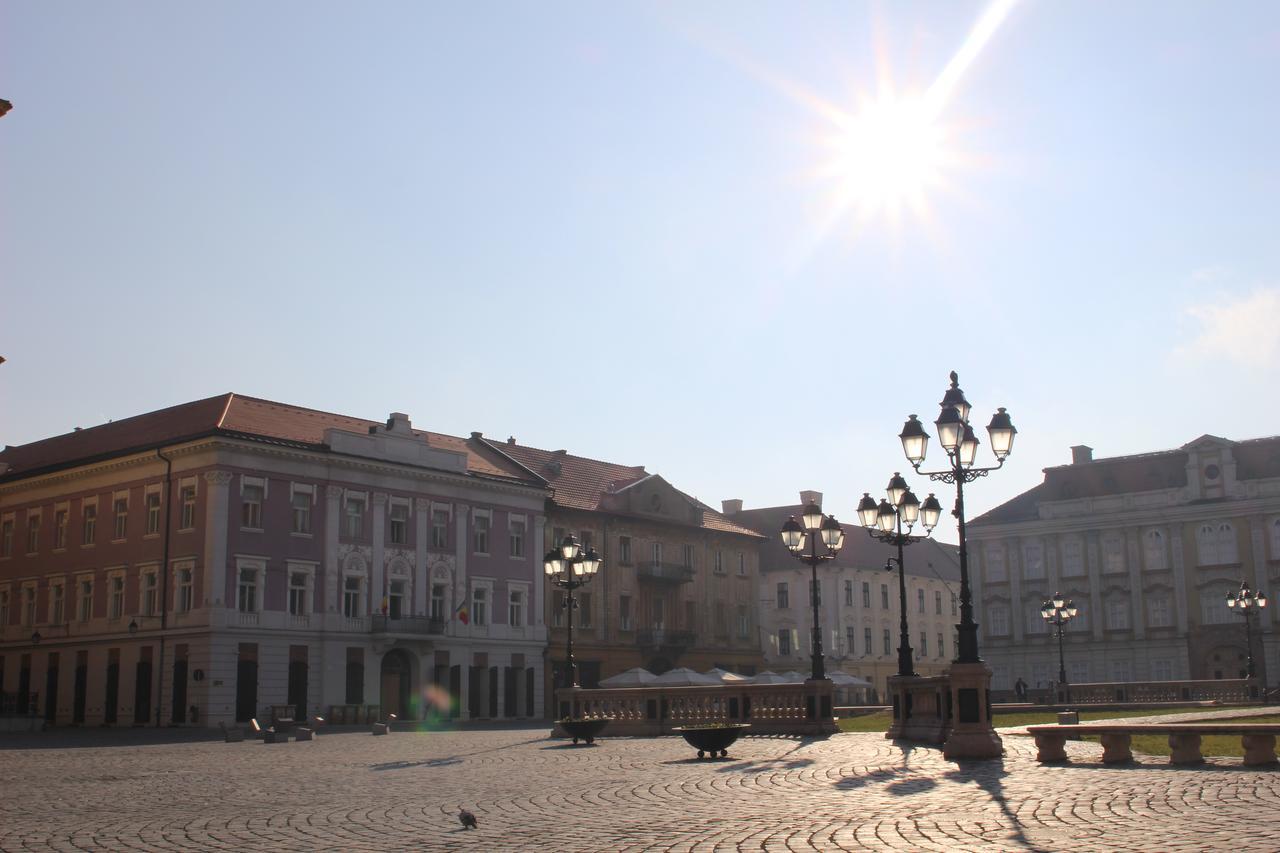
164 582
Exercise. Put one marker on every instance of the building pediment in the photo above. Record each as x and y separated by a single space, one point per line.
654 497
396 441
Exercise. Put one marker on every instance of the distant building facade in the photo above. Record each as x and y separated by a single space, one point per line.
200 564
1147 546
678 585
858 601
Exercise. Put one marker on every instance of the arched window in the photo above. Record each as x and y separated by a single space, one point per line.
1153 551
1216 543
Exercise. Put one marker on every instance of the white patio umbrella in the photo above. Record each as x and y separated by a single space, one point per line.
724 676
767 677
637 677
841 679
683 677
794 676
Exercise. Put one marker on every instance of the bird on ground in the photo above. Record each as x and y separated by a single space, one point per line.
467 818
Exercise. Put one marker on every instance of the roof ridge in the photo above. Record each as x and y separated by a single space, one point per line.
563 453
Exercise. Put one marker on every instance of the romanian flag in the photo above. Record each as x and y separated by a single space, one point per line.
464 615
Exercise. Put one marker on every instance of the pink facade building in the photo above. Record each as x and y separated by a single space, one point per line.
204 563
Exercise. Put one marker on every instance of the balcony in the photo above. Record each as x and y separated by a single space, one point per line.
419 625
664 572
651 638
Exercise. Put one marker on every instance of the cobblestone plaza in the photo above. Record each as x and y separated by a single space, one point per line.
351 791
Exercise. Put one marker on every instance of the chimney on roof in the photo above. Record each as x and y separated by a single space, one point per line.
1081 455
477 435
808 497
511 439
731 506
398 422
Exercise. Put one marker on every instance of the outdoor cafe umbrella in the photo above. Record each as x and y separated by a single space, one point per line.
636 677
683 677
723 676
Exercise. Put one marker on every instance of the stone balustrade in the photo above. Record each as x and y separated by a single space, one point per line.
793 709
1138 692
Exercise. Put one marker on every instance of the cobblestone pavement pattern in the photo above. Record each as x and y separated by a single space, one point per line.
346 792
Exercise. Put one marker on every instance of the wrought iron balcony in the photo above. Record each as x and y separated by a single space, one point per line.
406 625
664 572
661 637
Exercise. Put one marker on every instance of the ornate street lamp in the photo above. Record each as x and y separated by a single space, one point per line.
1059 612
795 535
569 567
961 445
884 521
1243 601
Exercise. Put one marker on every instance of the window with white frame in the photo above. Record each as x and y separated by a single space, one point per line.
1216 544
399 523
1162 669
89 523
884 596
29 605
941 650
624 550
479 605
247 583
995 563
1040 674
515 608
1159 613
33 532
251 495
919 600
84 606
115 597
300 502
866 641
783 600
1000 677
1153 551
1113 553
353 517
1214 610
120 507
624 613
848 593
149 592
299 585
153 513
953 604
886 642
60 527
480 533
57 603
1079 672
437 601
1121 671
998 620
1033 561
718 562
1117 615
187 514
439 528
515 536
1072 557
850 638
657 553
688 556
744 623
866 594
185 601
351 595
398 599
742 564
924 644
1035 623
6 537
1080 622
784 641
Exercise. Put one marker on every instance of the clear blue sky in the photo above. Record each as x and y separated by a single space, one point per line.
605 227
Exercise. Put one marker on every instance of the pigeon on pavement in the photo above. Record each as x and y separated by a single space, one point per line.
467 818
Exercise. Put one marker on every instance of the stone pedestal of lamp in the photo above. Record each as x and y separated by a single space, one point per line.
971 735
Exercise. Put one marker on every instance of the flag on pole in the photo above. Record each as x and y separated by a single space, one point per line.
464 615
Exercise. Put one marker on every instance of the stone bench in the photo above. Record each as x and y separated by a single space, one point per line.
231 734
1258 739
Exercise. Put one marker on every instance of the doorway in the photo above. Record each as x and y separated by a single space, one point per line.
397 683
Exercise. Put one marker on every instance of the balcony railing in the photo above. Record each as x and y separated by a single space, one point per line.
664 572
407 625
655 637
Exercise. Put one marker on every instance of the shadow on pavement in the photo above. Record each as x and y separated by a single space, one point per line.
99 738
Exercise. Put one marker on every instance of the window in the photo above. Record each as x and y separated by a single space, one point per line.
1079 672
247 591
84 611
657 553
586 538
998 621
1162 670
884 596
815 592
1036 623
300 505
480 606
784 596
188 497
866 594
557 609
57 603
515 608
298 593
251 507
1072 557
624 612
150 591
953 604
6 538
153 513
4 609
186 598
437 601
397 600
721 620
688 556
848 593
439 528
719 563
1153 550
33 533
784 641
28 606
937 603
1216 544
624 549
1117 615
399 524
1158 612
1112 554
919 600
1214 610
351 597
995 564
480 536
866 641
742 564
121 508
516 535
942 652
885 638
60 529
115 598
1120 670
90 527
353 525
744 623
924 644
849 634
1033 561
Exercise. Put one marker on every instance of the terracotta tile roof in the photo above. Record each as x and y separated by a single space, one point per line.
583 483
226 414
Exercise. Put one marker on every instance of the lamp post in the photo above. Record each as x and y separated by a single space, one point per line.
795 535
1243 601
884 521
1059 612
961 445
569 567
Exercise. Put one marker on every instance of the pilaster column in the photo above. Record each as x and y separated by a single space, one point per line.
332 571
1132 546
539 580
461 544
1257 538
215 544
421 582
1093 556
1179 579
1016 561
377 572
